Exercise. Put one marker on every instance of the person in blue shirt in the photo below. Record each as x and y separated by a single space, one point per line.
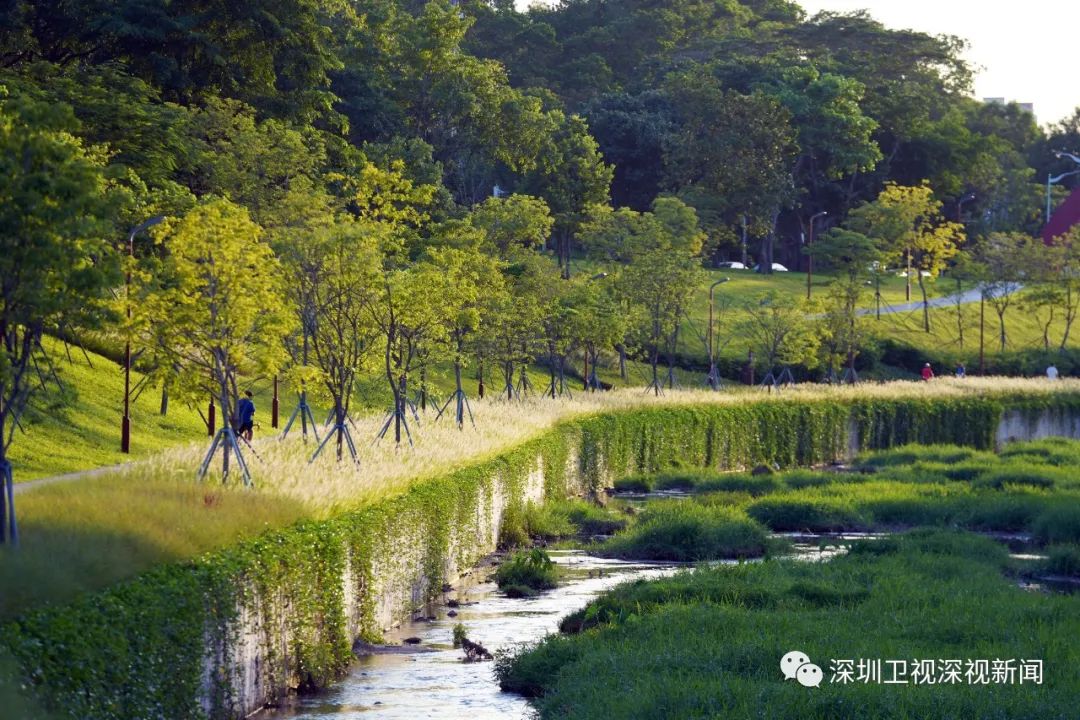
961 371
245 412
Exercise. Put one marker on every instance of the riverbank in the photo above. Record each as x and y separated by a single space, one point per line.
243 626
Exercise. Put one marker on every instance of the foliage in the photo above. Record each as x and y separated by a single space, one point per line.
527 572
674 530
659 634
216 311
55 260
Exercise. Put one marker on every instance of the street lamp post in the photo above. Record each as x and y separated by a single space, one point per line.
1053 181
125 422
1060 155
713 379
809 255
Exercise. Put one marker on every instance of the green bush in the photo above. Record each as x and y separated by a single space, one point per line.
741 482
1063 560
1060 524
526 573
998 479
683 531
791 514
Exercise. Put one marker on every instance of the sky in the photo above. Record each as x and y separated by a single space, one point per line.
1024 53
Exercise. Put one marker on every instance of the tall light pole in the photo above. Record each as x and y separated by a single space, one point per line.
809 255
125 422
713 378
1053 181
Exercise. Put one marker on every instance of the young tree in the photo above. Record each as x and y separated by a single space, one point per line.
220 307
909 224
659 283
472 278
56 263
340 267
1002 257
571 177
854 256
780 328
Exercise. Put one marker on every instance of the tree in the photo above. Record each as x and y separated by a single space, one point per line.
56 263
909 224
571 177
734 147
1067 269
218 307
1002 259
658 284
854 256
471 279
781 330
337 269
512 224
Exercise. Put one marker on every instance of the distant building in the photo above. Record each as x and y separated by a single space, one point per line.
1026 106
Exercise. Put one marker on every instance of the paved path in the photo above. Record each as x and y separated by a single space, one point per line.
964 298
22 487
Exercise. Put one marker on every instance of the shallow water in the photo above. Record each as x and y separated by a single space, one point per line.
436 683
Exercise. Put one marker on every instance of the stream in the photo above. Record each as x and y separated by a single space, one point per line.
430 680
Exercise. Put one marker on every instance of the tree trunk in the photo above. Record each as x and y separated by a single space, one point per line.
959 314
227 423
339 413
622 362
1001 324
745 258
654 360
925 303
164 399
907 276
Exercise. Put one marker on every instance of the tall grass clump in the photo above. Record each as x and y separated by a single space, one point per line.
684 531
526 573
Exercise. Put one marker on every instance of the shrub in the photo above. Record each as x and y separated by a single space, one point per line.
1063 560
998 479
791 514
526 573
740 482
685 531
1060 524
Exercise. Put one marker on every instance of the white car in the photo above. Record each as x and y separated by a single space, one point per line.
731 265
776 267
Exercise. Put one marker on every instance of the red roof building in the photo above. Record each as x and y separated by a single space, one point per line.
1064 218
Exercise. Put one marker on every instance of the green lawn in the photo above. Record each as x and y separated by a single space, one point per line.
79 428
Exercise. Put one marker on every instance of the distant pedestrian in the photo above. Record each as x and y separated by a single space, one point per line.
1052 372
245 412
961 371
927 372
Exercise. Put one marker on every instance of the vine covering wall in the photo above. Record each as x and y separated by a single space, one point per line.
229 632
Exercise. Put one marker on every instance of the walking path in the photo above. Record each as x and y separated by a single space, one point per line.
22 487
963 298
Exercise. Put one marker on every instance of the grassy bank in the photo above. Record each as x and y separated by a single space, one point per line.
87 535
708 643
153 520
